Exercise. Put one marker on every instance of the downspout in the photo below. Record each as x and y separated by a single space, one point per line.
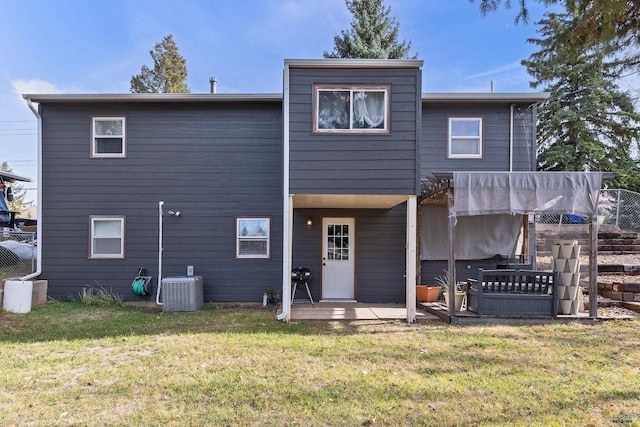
160 249
511 108
38 271
287 207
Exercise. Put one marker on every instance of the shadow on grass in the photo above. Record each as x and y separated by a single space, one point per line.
75 320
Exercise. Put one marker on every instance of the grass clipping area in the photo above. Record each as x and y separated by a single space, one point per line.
80 364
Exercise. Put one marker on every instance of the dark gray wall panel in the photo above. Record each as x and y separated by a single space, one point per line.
358 164
467 269
433 145
380 250
212 162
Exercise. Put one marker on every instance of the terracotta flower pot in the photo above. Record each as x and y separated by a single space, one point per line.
426 293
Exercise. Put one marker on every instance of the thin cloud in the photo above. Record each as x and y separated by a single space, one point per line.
496 71
34 86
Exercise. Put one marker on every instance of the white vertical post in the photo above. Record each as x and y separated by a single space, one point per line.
411 257
287 206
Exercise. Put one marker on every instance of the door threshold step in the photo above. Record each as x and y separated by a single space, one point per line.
337 300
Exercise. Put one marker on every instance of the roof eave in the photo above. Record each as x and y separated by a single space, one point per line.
155 97
485 97
353 63
13 177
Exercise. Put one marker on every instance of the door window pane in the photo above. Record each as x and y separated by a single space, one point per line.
338 242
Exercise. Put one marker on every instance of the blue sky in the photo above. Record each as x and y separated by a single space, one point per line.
90 46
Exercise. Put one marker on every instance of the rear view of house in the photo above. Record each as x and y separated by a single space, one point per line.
326 176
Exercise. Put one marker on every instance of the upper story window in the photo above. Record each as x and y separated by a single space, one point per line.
107 237
351 109
465 138
108 137
252 237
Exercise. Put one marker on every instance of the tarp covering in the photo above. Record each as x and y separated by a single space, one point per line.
476 237
485 193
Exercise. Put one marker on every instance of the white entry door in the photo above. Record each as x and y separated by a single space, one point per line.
338 266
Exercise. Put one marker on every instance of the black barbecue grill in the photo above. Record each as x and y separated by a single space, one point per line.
300 276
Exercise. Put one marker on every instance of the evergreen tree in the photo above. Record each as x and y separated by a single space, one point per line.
373 34
600 20
169 71
588 123
19 193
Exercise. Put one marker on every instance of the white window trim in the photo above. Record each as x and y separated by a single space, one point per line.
356 88
266 238
94 146
95 218
479 137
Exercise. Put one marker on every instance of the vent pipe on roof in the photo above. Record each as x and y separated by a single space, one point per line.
213 82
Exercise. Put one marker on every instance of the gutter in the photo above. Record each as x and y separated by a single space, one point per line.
347 63
38 271
511 108
155 97
484 97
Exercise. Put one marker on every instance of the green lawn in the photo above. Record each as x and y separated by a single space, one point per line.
77 364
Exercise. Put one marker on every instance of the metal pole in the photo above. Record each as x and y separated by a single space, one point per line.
452 254
618 210
593 267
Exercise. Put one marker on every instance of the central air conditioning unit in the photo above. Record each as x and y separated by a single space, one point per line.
182 294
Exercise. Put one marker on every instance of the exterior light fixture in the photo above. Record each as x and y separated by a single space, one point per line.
309 221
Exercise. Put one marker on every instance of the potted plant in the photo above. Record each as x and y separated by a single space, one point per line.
268 298
445 281
426 293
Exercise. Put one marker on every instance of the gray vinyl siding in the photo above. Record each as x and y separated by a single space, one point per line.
496 117
323 163
379 248
212 162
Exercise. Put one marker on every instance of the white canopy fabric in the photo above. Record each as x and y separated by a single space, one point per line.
476 237
487 193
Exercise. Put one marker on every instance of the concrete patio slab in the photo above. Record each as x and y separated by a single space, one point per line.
353 311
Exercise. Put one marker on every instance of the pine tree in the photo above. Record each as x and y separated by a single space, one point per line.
373 34
588 123
600 20
19 193
169 71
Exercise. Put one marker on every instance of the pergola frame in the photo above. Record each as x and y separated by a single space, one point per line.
441 186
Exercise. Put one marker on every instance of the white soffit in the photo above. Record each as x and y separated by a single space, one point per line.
347 201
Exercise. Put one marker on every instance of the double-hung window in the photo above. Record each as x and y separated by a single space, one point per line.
252 237
108 137
465 138
107 237
358 109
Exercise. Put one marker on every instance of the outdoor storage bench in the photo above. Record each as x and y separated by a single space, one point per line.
513 293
